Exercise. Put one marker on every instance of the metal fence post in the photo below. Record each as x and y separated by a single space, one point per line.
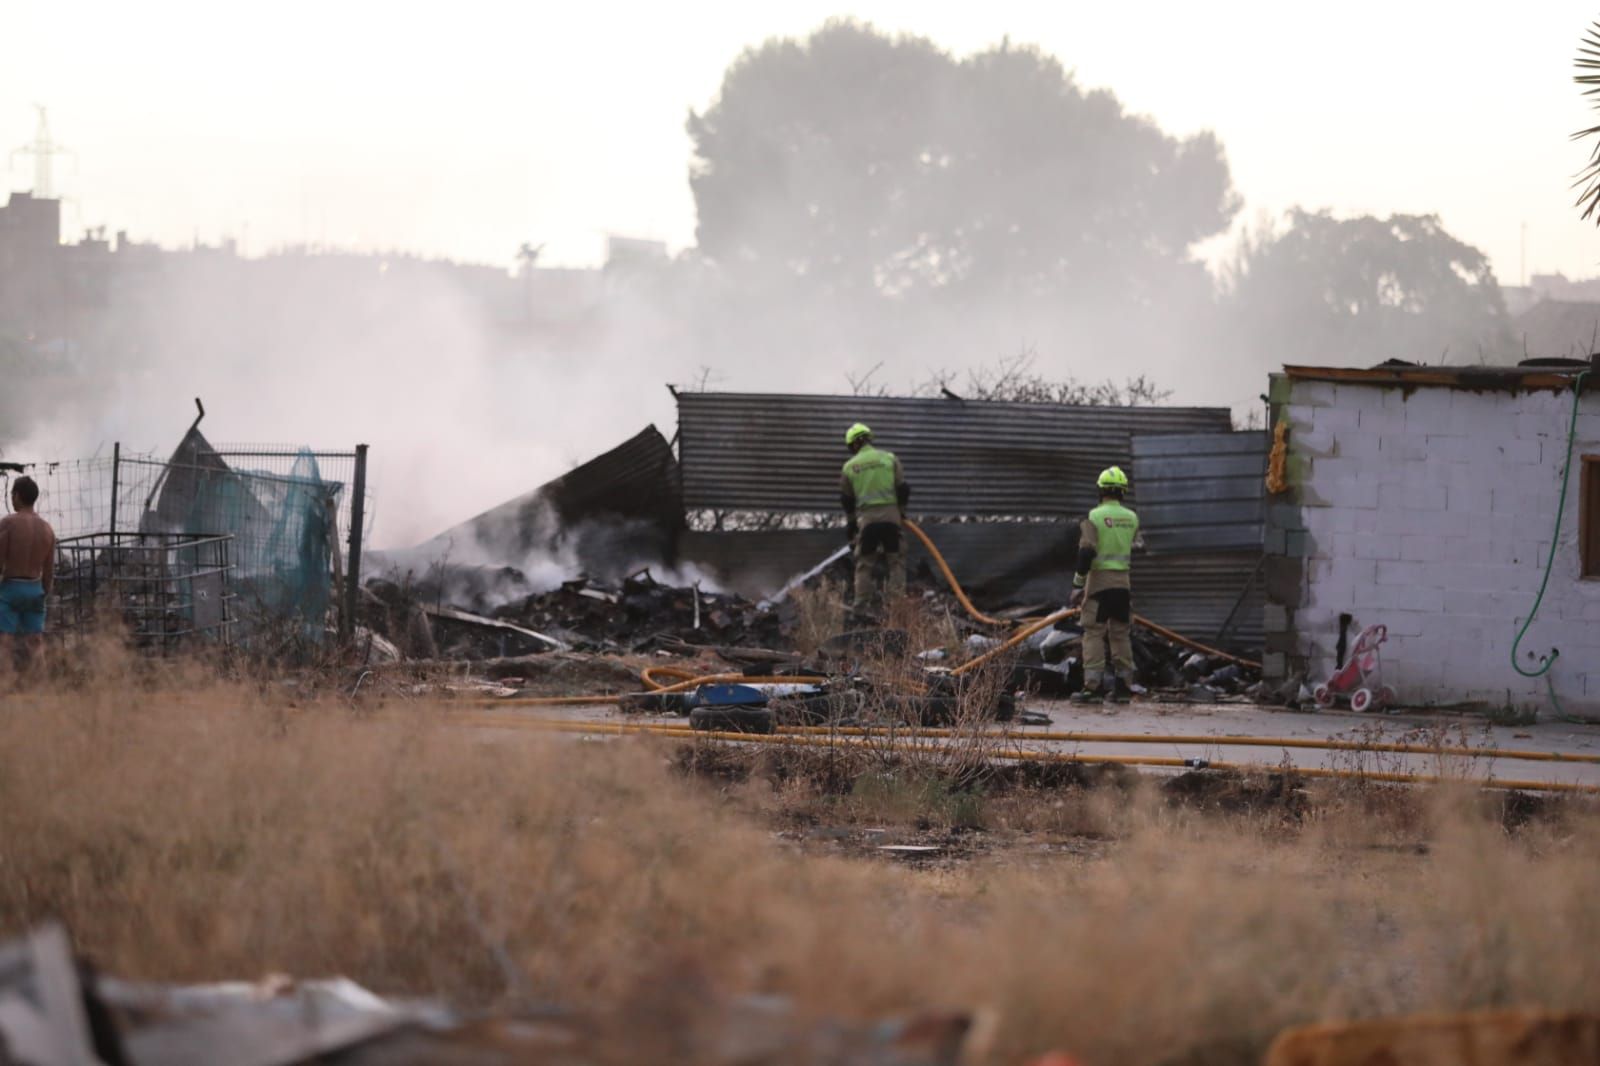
116 471
358 502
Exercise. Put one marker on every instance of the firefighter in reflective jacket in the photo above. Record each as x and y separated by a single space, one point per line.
1102 586
874 492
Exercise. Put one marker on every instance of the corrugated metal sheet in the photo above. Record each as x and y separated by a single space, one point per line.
1007 563
1193 594
1201 492
759 452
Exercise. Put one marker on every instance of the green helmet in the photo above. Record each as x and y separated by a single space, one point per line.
859 431
1112 477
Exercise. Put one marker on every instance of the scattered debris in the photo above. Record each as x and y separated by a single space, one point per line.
55 1013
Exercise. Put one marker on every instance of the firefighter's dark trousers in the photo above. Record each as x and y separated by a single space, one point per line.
1106 618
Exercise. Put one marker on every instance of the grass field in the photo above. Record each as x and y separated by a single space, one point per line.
187 829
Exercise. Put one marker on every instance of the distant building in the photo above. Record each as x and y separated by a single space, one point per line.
1541 287
30 249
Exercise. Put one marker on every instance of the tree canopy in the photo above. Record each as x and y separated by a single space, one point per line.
875 165
1361 290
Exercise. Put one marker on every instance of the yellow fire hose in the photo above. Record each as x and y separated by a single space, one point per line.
967 604
675 732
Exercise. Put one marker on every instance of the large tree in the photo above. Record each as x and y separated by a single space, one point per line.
883 167
1361 290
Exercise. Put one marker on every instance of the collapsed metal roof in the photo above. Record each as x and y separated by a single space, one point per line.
767 452
632 487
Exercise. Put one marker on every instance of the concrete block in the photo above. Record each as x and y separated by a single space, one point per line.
1328 596
1284 580
1335 468
1275 542
1275 618
1537 426
1469 499
1382 420
1417 548
1522 452
1313 393
1398 448
1298 544
1414 497
1447 449
1349 492
1350 395
1284 516
1341 420
1425 402
1508 499
1400 573
1301 418
1361 444
1372 546
1274 666
1407 623
1313 442
1326 521
1365 521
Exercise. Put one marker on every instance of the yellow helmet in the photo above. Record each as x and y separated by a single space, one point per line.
859 431
1112 477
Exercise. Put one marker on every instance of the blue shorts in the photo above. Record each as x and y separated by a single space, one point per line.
21 607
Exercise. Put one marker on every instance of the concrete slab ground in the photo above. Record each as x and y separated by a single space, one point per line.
1218 729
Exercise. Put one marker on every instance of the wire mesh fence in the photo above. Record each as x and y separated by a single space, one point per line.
170 591
289 514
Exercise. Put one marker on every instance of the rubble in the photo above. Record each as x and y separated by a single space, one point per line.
56 1012
640 614
635 615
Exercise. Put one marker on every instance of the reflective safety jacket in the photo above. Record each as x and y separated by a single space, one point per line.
871 482
1105 545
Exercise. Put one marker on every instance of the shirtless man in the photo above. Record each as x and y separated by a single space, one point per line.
27 572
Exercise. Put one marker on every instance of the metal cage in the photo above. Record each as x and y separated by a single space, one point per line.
171 591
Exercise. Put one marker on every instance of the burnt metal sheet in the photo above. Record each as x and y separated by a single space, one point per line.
620 507
761 452
1201 492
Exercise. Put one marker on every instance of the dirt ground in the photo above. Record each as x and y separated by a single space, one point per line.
189 829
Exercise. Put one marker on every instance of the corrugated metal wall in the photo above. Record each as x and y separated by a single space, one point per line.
1010 563
1200 492
757 452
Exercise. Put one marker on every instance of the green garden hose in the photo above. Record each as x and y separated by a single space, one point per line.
1547 661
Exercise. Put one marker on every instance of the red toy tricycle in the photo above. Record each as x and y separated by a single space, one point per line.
1358 682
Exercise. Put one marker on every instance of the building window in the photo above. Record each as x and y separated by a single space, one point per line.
1589 516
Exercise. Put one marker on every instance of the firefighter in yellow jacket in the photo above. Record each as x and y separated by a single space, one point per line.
873 491
1103 587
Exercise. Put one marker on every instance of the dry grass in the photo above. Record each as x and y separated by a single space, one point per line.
186 829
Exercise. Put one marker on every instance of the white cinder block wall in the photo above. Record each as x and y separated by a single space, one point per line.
1431 511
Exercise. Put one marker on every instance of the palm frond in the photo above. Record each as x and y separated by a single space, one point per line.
1588 76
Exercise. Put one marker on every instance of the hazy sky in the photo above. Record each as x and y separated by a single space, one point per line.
464 129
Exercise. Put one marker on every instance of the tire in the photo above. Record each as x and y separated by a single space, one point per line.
733 720
1323 695
1361 699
